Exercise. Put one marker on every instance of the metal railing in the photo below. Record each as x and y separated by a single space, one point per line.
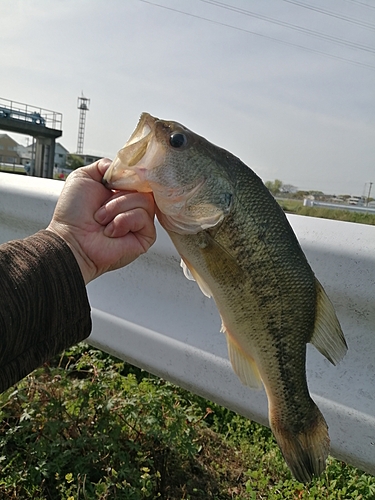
30 114
150 315
339 206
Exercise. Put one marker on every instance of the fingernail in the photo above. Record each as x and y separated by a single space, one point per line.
105 163
100 214
108 231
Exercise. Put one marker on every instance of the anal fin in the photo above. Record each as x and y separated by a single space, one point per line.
243 365
327 337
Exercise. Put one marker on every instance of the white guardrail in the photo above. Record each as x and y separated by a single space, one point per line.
150 315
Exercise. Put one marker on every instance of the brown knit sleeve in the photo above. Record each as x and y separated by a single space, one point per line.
43 304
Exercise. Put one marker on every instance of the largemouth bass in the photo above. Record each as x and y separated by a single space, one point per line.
236 242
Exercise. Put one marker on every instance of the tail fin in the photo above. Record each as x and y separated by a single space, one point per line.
305 446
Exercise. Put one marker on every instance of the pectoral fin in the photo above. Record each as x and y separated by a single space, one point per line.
191 274
327 337
243 365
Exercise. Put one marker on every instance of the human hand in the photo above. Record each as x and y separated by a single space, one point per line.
105 230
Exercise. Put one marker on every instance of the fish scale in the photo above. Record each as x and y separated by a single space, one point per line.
236 242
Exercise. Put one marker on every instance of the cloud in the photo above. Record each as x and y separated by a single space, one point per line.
299 116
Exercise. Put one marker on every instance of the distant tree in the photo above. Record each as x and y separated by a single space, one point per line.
274 187
302 194
74 161
277 185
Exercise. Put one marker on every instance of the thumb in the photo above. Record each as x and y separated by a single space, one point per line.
97 170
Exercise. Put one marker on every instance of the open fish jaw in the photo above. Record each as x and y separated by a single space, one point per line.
142 130
130 169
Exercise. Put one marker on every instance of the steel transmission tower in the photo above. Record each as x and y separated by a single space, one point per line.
83 106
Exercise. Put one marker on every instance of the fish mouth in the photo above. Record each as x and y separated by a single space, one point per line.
129 169
141 165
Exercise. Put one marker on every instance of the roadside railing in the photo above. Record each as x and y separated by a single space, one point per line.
148 314
338 206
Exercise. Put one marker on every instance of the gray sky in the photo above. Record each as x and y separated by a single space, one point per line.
305 116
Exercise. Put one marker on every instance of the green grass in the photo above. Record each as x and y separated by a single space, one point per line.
88 426
16 169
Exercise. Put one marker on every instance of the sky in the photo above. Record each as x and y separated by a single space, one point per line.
288 86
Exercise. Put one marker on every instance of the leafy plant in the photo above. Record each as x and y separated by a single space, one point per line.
88 426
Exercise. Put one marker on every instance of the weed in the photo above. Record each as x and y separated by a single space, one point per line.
88 426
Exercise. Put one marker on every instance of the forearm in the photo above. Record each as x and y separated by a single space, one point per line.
43 304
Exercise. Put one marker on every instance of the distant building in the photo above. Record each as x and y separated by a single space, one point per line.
61 154
288 188
16 154
357 200
8 150
88 159
23 154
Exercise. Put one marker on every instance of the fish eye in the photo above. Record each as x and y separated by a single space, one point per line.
178 140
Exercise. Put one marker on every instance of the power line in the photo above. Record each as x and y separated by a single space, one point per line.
333 14
274 39
291 26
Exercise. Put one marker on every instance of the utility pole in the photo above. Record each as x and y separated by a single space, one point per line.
369 192
83 106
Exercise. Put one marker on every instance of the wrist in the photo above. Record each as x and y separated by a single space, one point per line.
84 263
